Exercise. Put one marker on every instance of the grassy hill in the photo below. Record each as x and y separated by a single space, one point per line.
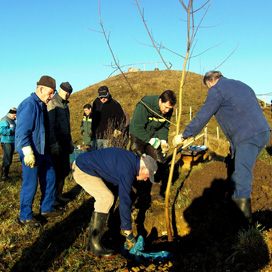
147 83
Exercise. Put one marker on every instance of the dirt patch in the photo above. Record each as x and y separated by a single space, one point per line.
205 232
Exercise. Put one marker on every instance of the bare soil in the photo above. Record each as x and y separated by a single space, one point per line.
205 231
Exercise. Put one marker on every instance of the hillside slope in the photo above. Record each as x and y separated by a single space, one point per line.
143 83
147 83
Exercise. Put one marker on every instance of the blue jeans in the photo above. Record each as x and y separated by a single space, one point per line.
44 171
246 154
8 150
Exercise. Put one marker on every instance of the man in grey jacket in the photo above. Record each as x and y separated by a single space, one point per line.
237 111
61 144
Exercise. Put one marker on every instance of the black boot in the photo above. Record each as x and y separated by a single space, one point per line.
6 172
97 228
3 173
59 197
244 204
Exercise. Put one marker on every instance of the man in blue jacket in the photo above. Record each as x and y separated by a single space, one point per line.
117 166
33 144
237 111
7 132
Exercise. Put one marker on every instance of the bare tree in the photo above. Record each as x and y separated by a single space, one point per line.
191 32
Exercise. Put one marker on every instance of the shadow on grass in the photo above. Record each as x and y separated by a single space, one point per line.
215 225
269 150
42 253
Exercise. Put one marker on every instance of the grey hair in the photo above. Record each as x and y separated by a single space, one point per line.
211 76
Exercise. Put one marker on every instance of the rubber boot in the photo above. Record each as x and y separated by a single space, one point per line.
3 173
244 204
59 197
96 231
6 172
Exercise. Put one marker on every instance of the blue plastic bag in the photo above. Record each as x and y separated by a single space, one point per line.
136 252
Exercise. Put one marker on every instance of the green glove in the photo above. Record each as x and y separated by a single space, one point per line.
155 142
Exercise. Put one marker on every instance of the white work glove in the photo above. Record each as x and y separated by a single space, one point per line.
155 142
165 147
116 133
55 149
177 140
29 158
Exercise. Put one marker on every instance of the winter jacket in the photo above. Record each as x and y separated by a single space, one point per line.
117 166
236 109
106 118
59 121
30 129
145 124
7 129
86 129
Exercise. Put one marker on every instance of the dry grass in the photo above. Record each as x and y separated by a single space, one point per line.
60 244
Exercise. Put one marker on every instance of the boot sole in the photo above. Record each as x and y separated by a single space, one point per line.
90 253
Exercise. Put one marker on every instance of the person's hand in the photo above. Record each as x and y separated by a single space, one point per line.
55 149
130 239
177 140
12 129
116 133
165 147
155 142
29 158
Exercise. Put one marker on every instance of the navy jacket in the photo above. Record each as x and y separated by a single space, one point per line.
236 109
117 166
30 128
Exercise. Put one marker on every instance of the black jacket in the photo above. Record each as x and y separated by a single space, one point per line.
106 118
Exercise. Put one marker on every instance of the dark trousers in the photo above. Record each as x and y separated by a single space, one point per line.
138 147
246 154
8 149
61 165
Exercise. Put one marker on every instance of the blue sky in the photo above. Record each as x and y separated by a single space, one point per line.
51 37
